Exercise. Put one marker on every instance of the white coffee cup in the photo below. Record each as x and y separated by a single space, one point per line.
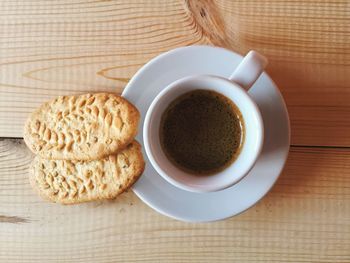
235 88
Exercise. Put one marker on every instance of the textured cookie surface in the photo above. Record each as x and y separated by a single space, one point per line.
71 182
83 127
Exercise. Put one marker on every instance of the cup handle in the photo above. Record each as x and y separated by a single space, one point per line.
249 70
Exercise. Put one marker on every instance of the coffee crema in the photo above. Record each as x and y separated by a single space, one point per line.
202 132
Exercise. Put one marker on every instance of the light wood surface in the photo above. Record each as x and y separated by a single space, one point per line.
60 47
57 47
305 218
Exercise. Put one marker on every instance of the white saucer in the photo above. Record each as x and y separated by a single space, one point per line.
204 207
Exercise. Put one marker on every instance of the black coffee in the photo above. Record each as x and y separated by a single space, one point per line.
202 132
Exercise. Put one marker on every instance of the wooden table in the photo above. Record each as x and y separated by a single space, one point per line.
57 47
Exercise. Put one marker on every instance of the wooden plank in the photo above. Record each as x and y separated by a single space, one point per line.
57 47
64 47
305 218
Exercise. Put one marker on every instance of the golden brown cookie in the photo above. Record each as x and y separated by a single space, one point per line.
72 182
82 127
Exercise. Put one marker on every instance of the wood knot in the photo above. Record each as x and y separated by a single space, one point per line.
208 20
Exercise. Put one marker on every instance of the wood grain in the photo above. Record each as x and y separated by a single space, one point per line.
49 48
305 218
63 47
